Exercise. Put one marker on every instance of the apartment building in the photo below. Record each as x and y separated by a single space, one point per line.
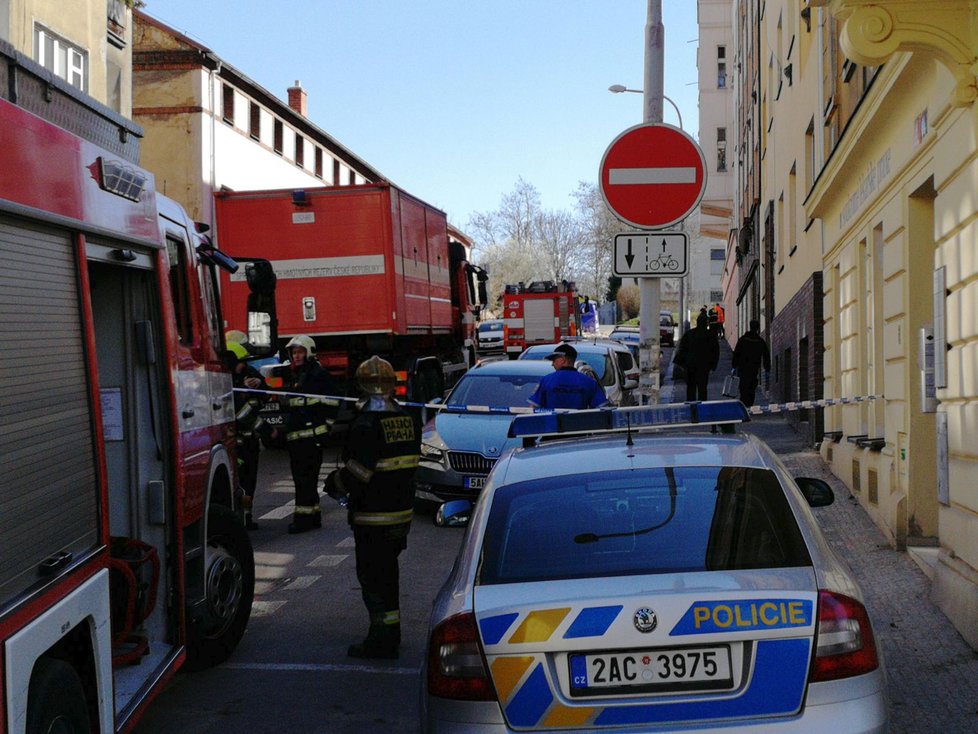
860 202
208 126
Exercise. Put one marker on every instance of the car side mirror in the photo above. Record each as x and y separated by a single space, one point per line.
816 491
454 514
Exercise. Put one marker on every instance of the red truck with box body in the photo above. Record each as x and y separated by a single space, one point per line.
122 558
542 312
363 270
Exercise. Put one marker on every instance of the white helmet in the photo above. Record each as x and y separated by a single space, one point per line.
303 341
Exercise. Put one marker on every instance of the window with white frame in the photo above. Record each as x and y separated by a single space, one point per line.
61 57
721 67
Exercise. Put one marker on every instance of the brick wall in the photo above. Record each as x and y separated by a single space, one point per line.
796 339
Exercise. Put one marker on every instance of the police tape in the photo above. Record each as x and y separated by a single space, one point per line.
807 404
503 410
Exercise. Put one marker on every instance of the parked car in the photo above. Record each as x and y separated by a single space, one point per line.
687 588
459 449
667 330
603 359
627 335
490 337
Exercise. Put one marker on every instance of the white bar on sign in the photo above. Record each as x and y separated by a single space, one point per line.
652 176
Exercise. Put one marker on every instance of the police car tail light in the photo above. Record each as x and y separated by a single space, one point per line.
455 666
844 639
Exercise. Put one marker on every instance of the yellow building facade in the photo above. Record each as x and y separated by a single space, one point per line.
895 212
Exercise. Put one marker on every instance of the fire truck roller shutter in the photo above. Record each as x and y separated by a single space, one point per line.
48 489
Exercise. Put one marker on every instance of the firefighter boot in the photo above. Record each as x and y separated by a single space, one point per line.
301 522
381 643
246 503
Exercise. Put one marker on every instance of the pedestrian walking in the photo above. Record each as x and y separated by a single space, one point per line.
698 354
376 479
750 353
721 318
247 424
713 317
307 425
565 387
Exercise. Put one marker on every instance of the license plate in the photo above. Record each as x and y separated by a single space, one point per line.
475 482
657 670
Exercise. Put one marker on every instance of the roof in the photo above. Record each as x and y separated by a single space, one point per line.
650 450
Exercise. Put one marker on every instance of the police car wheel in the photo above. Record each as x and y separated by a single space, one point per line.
229 588
56 700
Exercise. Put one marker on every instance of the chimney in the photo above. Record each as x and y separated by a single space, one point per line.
297 98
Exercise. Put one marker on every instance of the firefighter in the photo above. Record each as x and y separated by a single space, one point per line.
376 480
247 422
307 425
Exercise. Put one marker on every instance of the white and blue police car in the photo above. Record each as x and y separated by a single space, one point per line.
648 581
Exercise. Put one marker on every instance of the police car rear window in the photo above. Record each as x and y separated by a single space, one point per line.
640 522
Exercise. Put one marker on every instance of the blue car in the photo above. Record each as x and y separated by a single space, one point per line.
458 450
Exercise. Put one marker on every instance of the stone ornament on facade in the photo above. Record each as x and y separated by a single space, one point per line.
873 31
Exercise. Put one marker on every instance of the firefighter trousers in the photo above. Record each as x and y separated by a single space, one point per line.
377 549
248 452
305 460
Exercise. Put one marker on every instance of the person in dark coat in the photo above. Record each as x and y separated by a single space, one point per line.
376 481
751 352
698 354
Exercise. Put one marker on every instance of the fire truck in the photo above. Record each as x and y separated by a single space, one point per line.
542 312
363 270
121 556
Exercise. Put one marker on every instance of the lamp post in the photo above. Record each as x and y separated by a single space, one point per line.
619 88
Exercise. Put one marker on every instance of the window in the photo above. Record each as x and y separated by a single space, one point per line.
721 149
352 177
116 22
180 288
227 97
61 57
336 172
319 163
277 142
300 150
254 122
721 67
717 258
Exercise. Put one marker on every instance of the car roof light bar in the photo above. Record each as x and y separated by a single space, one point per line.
672 415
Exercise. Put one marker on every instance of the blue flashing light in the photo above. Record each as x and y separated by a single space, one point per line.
672 415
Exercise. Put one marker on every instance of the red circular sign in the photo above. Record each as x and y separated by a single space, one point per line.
653 175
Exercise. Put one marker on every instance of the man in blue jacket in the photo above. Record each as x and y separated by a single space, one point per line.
565 387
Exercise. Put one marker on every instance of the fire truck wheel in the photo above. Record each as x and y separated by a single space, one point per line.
56 700
229 587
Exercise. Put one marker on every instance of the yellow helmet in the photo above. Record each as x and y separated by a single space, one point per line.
303 341
238 350
376 376
234 336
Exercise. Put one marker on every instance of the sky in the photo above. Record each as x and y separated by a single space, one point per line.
455 100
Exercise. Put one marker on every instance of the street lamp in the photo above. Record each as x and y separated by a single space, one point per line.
619 88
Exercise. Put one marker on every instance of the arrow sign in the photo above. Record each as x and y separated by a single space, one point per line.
651 254
653 175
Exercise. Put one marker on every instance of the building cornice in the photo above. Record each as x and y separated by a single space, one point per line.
874 30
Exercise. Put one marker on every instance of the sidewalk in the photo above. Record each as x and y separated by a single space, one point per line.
932 672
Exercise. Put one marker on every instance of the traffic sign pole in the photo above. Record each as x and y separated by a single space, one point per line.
648 288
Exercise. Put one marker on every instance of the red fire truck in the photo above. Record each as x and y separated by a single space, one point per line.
362 270
121 555
542 312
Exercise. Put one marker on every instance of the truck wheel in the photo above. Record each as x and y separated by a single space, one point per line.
229 587
56 700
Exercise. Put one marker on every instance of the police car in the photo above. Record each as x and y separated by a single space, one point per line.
648 581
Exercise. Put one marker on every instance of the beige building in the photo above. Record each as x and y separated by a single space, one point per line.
87 43
861 204
208 126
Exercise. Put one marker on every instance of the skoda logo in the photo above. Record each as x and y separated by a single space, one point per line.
493 451
645 620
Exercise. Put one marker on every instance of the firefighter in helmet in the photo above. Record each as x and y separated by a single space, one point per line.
247 422
376 479
307 425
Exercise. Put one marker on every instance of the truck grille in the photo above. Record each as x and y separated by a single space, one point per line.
470 463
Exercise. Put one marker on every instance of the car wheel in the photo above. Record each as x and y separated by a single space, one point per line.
56 700
229 588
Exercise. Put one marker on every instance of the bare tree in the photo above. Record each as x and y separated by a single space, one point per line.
558 244
598 229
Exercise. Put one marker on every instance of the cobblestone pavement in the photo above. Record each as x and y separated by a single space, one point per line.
932 672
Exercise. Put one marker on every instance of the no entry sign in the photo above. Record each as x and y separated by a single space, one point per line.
653 175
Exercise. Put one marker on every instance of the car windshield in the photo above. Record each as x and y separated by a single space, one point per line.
491 326
650 521
505 391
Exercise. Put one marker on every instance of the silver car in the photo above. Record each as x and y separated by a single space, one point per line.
648 582
604 359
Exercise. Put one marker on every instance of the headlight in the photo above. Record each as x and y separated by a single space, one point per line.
432 447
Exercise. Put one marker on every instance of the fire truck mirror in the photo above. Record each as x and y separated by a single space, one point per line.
261 278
